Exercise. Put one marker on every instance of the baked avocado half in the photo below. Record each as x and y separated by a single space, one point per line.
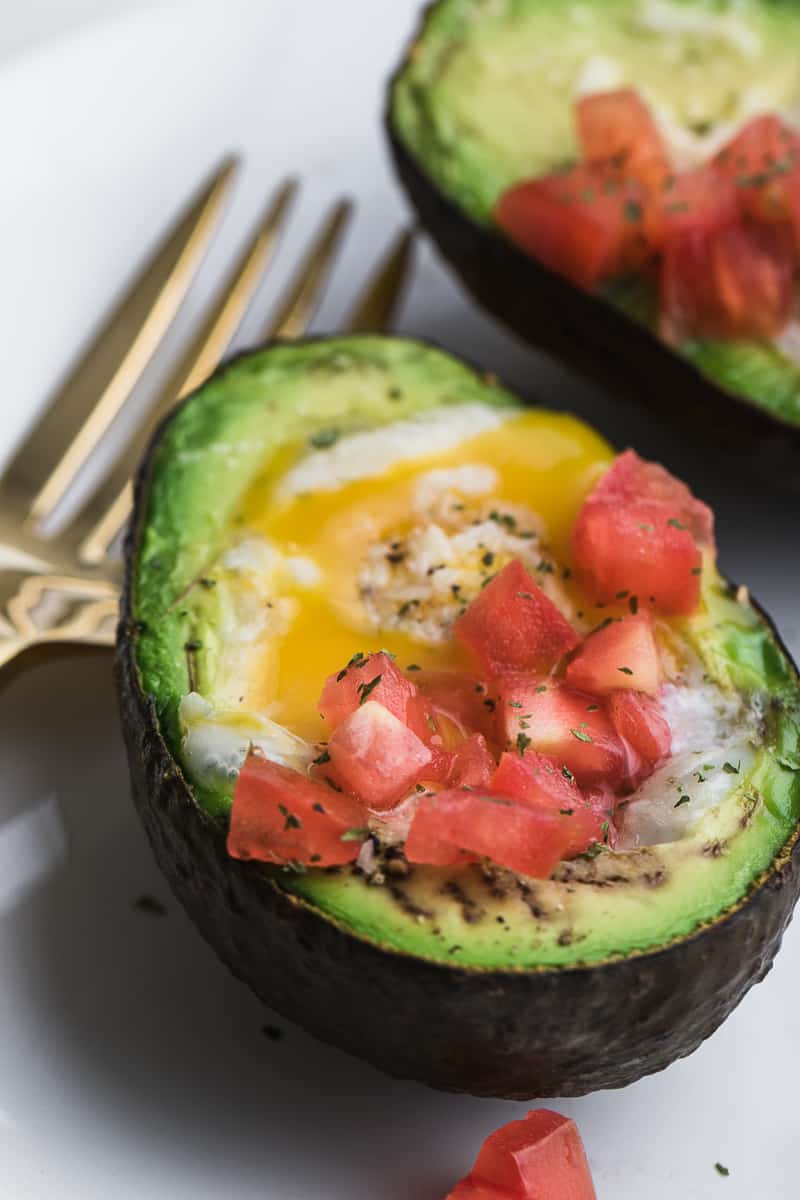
320 508
486 98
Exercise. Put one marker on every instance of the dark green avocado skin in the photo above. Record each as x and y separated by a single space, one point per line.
591 335
555 1032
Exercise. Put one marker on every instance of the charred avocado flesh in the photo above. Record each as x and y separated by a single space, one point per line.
486 100
259 560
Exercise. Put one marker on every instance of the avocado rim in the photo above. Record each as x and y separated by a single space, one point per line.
512 1032
582 328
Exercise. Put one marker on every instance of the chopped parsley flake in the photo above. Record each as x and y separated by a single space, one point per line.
625 670
676 524
580 735
324 437
365 689
721 1170
523 741
321 758
565 771
355 835
730 769
682 800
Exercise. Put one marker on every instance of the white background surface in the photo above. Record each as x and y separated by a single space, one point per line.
131 1065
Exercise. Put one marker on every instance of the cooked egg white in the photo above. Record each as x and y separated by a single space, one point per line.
378 542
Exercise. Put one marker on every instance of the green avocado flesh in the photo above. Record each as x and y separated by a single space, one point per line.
210 454
486 100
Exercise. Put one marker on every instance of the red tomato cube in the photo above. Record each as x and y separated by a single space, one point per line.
736 282
375 757
535 780
763 164
281 816
454 825
698 201
469 1189
623 654
617 128
513 626
638 535
585 223
570 727
470 764
378 676
540 1156
639 720
461 697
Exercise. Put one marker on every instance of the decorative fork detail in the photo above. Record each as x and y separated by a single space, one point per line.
62 588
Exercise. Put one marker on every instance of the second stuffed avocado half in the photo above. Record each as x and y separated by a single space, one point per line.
619 181
445 727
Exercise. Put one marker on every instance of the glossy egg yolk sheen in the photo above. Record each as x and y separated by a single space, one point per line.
544 461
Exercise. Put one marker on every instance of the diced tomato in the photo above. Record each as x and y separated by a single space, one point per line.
455 824
633 479
638 535
281 816
535 780
623 654
616 128
470 764
469 1189
375 757
585 223
639 720
513 626
462 697
737 282
697 202
380 678
763 164
570 727
540 1156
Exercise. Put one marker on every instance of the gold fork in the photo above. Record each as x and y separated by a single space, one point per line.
61 588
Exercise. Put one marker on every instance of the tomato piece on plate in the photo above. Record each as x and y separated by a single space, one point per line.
570 727
585 224
511 625
538 781
697 201
539 1156
343 691
281 816
375 757
638 537
460 696
736 282
457 824
470 1189
763 163
623 654
618 129
639 720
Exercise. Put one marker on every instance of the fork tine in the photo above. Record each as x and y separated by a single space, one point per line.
109 510
305 291
116 358
375 307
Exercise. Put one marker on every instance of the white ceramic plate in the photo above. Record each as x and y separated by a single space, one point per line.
131 1064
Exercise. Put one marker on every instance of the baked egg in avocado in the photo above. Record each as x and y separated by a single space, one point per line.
444 725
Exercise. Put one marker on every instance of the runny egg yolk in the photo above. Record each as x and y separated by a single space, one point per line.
544 461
